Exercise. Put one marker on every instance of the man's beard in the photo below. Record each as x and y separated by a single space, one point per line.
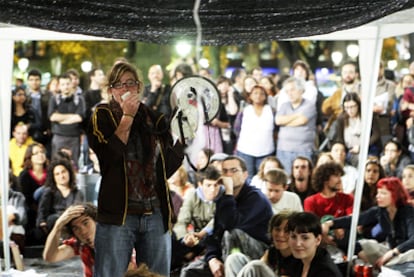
300 179
349 82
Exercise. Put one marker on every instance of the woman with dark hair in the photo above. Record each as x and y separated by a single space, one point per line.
349 129
373 173
32 180
394 158
61 191
21 111
253 147
394 217
276 261
305 236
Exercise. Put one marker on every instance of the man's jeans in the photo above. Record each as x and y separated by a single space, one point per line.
287 158
114 244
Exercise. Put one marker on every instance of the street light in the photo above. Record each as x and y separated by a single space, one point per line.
23 64
353 51
337 57
86 66
392 64
183 48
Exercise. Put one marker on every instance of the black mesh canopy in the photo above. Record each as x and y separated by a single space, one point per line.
224 22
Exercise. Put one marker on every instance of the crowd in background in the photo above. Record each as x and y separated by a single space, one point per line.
300 149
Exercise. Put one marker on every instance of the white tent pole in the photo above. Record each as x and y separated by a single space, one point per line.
6 69
369 67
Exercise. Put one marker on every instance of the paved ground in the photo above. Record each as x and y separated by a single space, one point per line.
69 268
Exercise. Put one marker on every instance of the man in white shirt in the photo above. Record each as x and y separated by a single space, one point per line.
281 200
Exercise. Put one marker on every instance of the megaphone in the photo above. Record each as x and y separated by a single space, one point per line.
195 100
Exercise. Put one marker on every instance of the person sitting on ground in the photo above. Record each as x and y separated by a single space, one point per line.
16 216
276 261
394 159
240 222
395 218
408 181
330 201
79 222
349 179
276 184
305 236
61 191
195 219
268 163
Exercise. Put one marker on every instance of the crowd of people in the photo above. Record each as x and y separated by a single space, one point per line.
279 172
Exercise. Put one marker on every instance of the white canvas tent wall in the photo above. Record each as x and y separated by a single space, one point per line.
370 40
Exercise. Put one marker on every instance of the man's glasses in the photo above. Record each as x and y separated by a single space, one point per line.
127 84
230 170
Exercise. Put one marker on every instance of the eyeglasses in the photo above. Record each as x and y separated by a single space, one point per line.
230 170
350 107
127 84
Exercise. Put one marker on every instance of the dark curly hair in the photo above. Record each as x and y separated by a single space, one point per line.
323 172
50 179
90 210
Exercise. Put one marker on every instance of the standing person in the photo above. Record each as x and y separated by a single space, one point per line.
137 152
75 80
66 112
21 111
297 116
255 126
39 101
304 241
332 106
157 95
94 95
349 129
383 103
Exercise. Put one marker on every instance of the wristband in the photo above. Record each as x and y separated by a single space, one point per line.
130 115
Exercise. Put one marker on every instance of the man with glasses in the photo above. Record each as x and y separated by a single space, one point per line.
240 222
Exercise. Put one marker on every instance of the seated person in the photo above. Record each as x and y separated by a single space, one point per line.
280 199
60 192
195 219
408 181
394 217
267 163
276 261
79 221
16 216
240 222
305 236
394 159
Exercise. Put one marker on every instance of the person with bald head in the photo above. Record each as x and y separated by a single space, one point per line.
18 145
156 94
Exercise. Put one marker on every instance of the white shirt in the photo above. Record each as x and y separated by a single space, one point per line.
289 201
